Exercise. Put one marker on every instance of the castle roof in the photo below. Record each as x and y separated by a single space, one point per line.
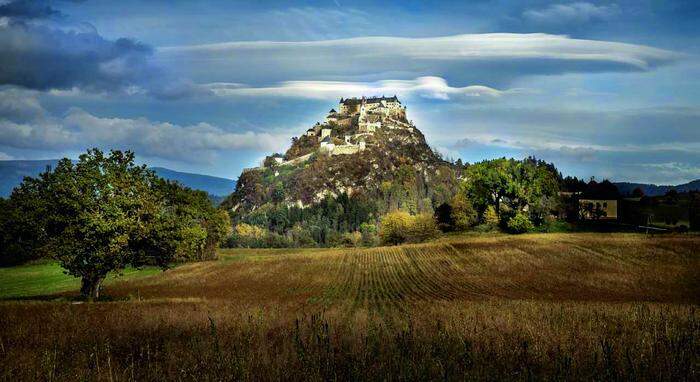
358 101
326 139
332 111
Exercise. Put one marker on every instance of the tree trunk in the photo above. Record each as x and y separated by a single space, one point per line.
90 287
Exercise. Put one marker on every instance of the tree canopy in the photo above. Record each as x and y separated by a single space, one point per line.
104 213
511 186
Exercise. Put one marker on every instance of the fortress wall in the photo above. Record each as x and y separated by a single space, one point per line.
345 150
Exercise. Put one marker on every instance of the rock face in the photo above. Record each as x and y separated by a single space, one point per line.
366 147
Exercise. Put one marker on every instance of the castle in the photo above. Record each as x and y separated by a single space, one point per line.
347 130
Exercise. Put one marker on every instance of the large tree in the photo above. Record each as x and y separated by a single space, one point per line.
511 186
104 213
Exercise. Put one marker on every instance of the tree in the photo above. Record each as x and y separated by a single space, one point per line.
638 192
511 186
463 213
443 215
100 215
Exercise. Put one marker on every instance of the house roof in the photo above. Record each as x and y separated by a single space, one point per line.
327 139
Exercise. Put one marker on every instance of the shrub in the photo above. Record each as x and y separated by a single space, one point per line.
369 234
490 216
400 227
351 239
422 227
246 235
301 236
394 227
519 223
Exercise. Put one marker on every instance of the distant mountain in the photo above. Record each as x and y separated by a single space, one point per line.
12 172
211 184
654 190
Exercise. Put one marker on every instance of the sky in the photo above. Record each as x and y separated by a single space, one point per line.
609 89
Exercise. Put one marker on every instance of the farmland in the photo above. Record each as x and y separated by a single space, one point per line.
566 306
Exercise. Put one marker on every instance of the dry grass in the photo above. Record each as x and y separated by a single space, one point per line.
559 306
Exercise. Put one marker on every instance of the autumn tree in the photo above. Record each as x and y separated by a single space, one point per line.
463 213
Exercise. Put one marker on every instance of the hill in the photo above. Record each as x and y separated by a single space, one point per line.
367 149
213 185
654 190
12 172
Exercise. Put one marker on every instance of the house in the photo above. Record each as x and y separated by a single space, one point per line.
598 209
332 116
325 133
327 145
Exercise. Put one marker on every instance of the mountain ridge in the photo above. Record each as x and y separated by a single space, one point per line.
12 172
651 189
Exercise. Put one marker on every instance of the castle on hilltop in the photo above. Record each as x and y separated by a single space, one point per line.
350 129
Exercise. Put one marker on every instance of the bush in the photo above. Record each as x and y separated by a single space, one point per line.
491 217
400 227
422 227
394 226
519 223
301 236
369 234
249 236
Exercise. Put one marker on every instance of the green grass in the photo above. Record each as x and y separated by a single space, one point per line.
47 277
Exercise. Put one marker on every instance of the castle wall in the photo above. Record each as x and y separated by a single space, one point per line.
345 150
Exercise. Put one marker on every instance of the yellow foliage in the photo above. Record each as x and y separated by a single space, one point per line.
250 232
400 227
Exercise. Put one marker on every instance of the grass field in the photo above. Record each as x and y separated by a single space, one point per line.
44 278
547 306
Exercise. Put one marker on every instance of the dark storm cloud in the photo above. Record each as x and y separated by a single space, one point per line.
42 57
28 9
41 49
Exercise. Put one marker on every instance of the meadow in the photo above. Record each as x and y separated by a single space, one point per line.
482 307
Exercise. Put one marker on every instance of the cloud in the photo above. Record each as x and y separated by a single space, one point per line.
41 49
78 130
5 156
19 105
566 14
497 58
658 145
425 87
660 164
315 23
28 9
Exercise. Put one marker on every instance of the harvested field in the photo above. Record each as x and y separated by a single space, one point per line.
552 306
